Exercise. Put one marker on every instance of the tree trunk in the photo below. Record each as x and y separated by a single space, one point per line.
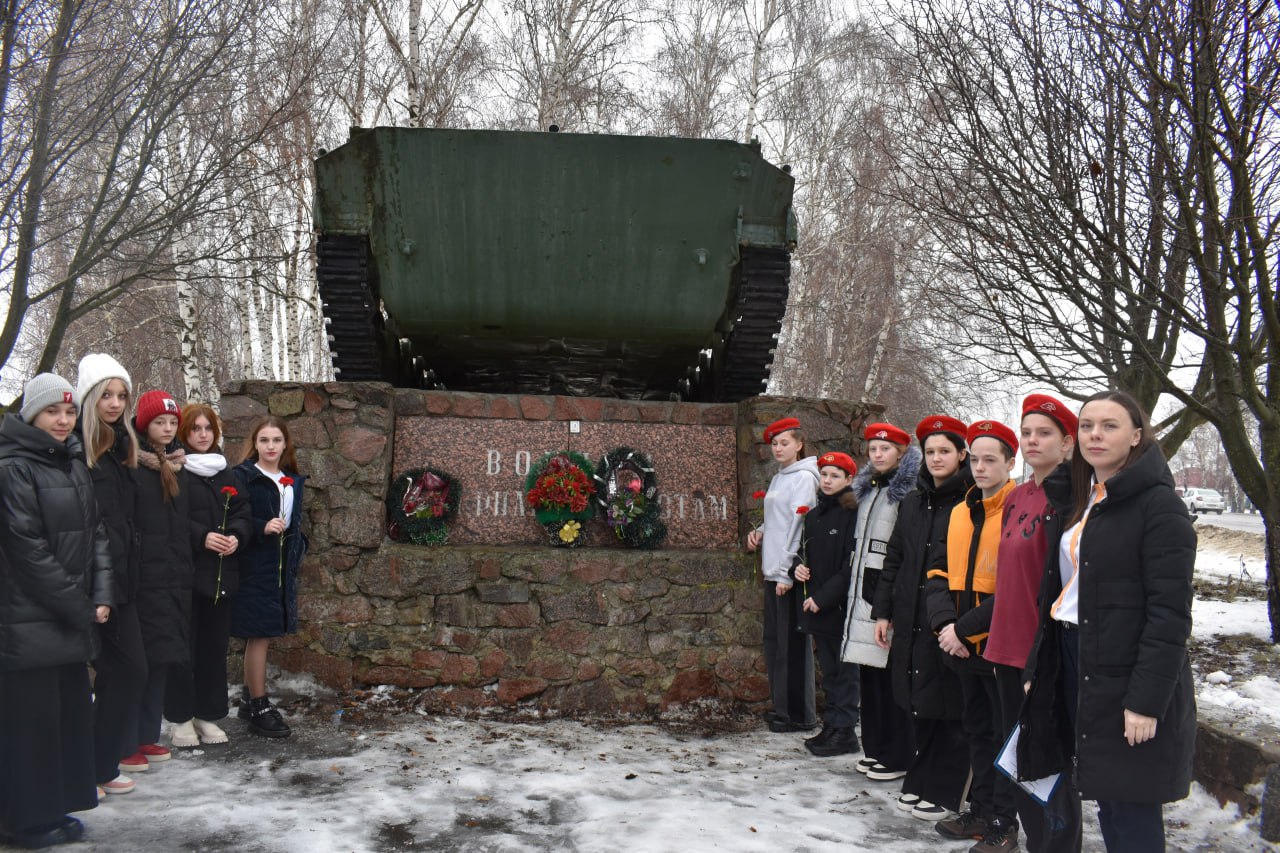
188 340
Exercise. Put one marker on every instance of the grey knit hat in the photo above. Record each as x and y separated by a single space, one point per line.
46 389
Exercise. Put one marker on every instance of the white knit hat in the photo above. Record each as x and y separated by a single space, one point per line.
46 389
97 366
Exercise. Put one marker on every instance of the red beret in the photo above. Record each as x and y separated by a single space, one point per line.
839 460
885 432
781 426
1043 404
940 423
992 429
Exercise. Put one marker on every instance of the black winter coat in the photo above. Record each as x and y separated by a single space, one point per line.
55 565
267 603
827 550
923 683
116 488
209 507
1137 554
165 570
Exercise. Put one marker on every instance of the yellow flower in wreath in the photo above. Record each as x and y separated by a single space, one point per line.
570 531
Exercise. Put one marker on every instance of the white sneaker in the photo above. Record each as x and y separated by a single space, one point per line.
865 764
183 735
209 732
907 802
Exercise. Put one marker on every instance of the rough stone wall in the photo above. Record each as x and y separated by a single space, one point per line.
597 629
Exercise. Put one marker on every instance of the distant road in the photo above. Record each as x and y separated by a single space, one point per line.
1233 520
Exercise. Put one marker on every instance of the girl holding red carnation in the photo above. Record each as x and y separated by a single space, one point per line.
788 656
196 692
266 605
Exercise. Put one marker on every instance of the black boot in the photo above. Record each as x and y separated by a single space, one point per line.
821 737
843 740
243 712
266 720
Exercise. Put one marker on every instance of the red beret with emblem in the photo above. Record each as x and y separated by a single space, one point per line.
885 432
1043 404
935 424
781 426
842 461
992 429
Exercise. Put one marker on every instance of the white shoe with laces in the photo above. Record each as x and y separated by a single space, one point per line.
210 732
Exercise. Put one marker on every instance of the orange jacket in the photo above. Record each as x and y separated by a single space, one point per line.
964 591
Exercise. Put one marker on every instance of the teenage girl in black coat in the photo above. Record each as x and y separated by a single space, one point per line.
267 604
120 670
55 587
1111 656
923 684
196 694
164 565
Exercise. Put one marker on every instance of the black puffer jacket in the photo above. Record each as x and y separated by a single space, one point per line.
165 571
209 507
55 566
827 549
922 682
1137 553
113 483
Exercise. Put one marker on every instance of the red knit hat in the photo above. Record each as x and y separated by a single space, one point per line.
151 405
935 424
781 426
992 429
840 460
885 432
1050 407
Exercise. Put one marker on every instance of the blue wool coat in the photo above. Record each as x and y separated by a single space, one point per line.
266 604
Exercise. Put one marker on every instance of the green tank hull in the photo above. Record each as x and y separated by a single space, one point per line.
577 264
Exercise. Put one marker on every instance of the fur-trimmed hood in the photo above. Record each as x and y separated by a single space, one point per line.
897 482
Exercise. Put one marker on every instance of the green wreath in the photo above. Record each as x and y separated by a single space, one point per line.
559 489
627 492
419 504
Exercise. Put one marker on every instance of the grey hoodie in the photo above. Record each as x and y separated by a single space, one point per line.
794 486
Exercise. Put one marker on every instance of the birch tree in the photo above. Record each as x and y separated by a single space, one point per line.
91 94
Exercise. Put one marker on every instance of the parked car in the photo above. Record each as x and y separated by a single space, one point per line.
1204 500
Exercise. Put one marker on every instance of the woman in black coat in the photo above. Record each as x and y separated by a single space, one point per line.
196 694
120 669
1110 664
165 570
267 604
923 684
55 587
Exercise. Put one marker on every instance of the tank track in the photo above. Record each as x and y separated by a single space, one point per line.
349 304
764 276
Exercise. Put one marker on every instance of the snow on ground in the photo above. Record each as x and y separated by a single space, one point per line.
410 782
382 777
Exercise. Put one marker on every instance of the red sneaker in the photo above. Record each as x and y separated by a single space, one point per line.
155 752
136 763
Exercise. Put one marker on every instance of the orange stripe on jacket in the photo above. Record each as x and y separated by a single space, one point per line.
971 584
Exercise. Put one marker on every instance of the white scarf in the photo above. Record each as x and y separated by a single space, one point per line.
206 464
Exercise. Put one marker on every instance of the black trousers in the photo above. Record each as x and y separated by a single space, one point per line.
1126 827
888 735
46 746
991 792
940 771
840 685
149 712
788 658
199 688
1055 828
120 678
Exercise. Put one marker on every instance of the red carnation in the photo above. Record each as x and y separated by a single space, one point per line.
758 495
229 491
285 482
801 510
